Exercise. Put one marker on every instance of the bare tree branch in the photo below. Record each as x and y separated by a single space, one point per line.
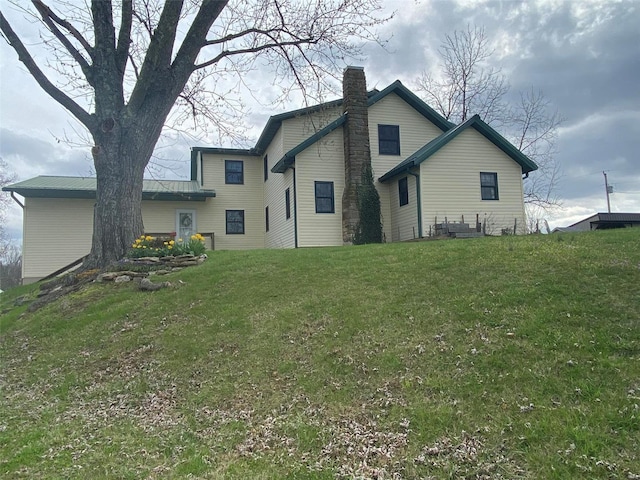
46 11
25 57
466 84
124 37
266 46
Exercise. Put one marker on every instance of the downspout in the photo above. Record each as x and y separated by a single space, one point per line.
13 195
201 169
295 209
418 200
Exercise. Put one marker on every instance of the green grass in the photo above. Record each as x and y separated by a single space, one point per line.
510 357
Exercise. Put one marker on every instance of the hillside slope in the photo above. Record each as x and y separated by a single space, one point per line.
485 358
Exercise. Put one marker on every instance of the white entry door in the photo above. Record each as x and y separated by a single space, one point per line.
185 224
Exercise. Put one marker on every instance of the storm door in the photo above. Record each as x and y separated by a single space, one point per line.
185 224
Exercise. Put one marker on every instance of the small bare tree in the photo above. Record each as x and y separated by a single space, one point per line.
10 267
465 84
122 69
6 177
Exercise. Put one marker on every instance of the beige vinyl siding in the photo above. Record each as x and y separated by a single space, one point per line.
404 219
450 182
68 224
322 162
296 130
281 230
159 217
57 231
415 132
247 197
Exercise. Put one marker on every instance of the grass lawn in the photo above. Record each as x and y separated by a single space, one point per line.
509 357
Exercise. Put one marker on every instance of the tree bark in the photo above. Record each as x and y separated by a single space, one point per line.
117 216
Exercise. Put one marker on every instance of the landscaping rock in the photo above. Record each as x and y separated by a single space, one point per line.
21 300
122 279
149 286
113 276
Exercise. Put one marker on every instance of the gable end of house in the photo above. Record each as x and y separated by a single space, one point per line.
422 154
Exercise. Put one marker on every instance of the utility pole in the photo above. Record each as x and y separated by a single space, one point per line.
608 190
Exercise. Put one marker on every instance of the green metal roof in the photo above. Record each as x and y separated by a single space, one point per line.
437 143
85 187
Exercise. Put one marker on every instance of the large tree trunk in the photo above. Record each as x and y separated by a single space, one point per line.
120 156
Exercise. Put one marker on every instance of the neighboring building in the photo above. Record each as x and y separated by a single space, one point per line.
287 191
601 221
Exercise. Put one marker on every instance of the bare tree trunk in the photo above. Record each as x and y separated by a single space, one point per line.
120 156
117 215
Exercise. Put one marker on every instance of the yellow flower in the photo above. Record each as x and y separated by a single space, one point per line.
171 242
170 247
134 245
148 238
166 243
180 240
138 240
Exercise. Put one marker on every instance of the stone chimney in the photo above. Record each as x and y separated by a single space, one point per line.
357 152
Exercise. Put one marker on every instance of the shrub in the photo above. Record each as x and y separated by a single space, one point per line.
369 228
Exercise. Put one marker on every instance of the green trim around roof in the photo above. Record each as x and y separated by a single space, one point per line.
374 96
408 96
275 121
290 157
219 151
437 143
85 187
227 151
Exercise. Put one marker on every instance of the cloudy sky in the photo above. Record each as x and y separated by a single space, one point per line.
583 55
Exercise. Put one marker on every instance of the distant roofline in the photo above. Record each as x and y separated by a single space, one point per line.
634 217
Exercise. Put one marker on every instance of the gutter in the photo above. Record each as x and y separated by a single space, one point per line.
13 195
418 201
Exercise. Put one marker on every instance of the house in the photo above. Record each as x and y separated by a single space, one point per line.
601 221
295 187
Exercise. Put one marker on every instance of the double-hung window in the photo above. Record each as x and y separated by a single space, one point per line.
234 172
389 139
403 191
324 197
489 185
235 222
